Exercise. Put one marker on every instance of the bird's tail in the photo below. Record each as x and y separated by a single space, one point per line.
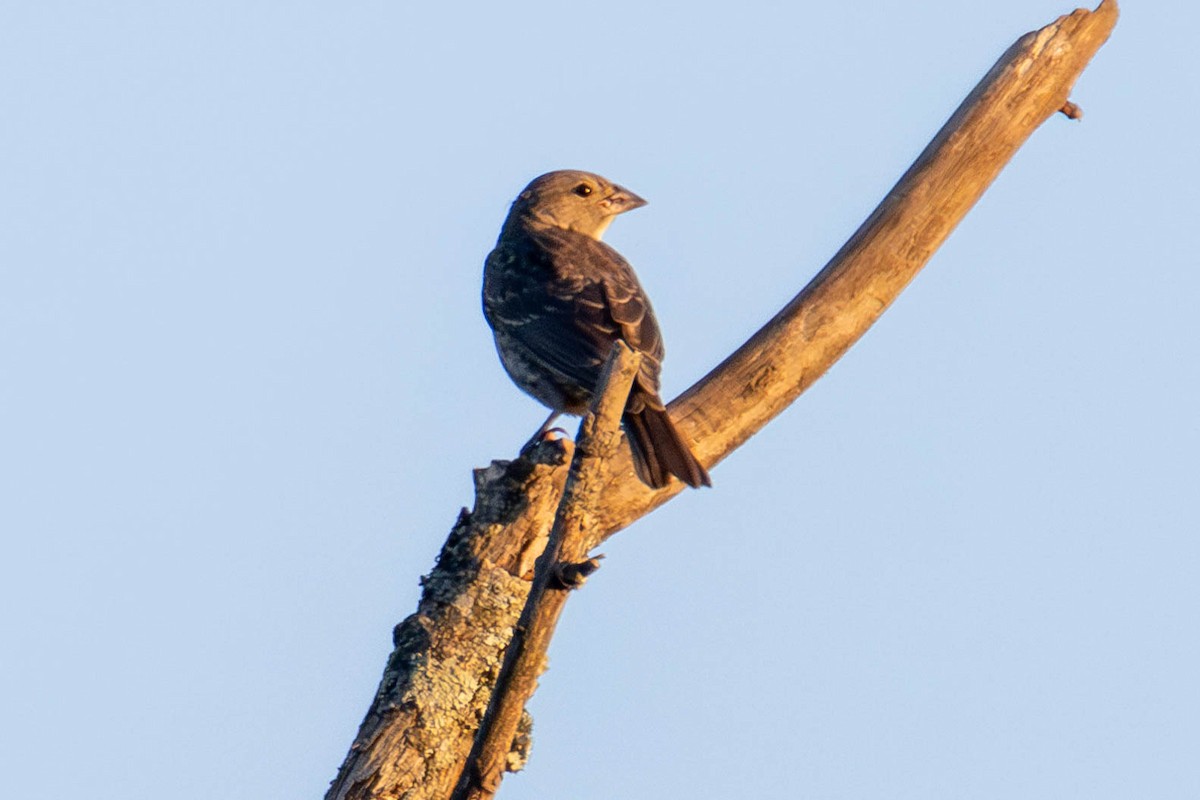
658 450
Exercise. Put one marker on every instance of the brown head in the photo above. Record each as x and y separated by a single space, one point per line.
572 200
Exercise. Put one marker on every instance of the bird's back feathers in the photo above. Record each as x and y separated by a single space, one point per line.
557 298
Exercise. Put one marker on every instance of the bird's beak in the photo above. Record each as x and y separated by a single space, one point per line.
621 200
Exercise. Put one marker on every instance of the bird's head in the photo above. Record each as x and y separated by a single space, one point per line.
573 200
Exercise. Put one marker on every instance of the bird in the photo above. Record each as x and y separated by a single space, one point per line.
557 298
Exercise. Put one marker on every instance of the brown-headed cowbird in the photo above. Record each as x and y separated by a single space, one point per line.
557 298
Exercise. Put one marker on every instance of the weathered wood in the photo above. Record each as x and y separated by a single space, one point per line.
420 726
599 440
1026 86
419 730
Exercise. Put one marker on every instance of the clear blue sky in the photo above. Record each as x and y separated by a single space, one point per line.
244 379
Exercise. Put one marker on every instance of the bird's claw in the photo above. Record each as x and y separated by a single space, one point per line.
548 435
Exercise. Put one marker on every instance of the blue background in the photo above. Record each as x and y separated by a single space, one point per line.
244 379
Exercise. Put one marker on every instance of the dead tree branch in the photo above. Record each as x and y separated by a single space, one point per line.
419 730
560 568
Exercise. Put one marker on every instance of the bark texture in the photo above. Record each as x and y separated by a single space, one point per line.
436 686
562 567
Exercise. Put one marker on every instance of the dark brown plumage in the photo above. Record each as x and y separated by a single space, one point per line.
557 298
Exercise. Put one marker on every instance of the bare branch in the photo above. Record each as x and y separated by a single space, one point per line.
419 730
1028 85
599 440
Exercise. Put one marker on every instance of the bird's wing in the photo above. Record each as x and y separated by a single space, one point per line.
629 309
574 298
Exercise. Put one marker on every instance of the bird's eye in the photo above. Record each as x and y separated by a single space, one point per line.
583 190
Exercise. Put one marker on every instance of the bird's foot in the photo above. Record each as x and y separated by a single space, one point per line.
545 435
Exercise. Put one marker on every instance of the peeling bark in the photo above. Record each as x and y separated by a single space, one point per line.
562 567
